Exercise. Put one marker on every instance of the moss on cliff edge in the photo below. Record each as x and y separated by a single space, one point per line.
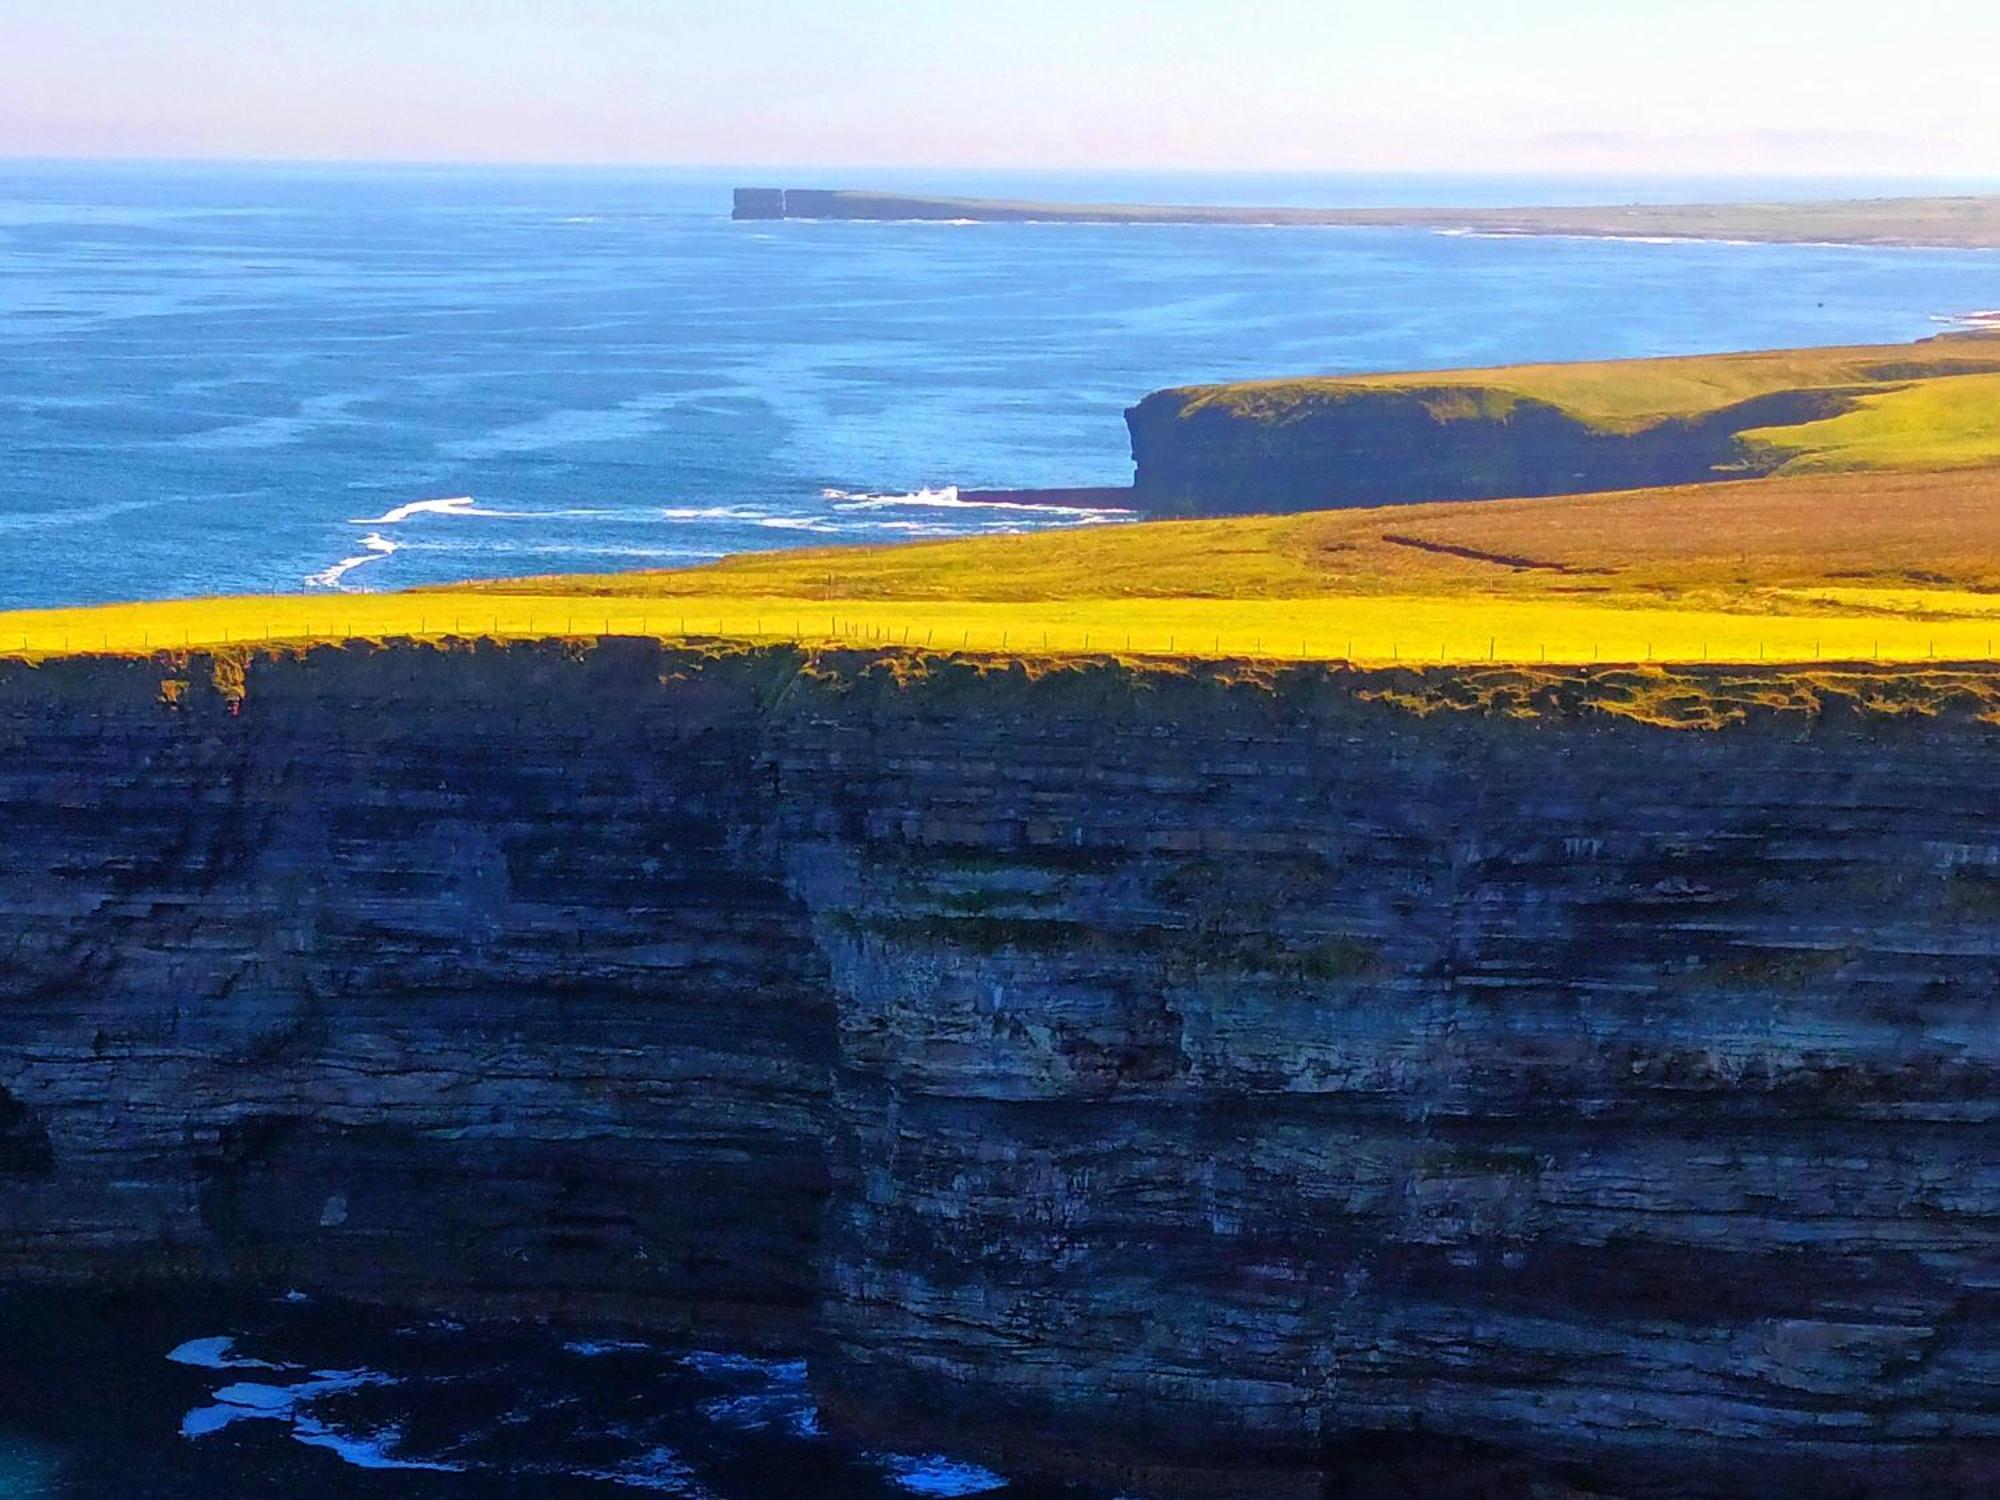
890 683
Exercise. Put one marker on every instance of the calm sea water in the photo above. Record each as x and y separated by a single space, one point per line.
253 378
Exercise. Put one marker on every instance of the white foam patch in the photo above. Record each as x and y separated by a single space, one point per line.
377 547
712 513
598 1348
374 1451
791 1372
948 498
257 1401
757 1413
935 1474
660 1470
455 505
214 1354
465 505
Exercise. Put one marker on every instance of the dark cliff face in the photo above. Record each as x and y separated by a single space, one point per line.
1190 1076
482 995
1384 447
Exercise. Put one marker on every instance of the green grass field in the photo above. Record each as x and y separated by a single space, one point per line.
1628 394
1946 423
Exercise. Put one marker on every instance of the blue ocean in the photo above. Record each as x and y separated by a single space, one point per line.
226 378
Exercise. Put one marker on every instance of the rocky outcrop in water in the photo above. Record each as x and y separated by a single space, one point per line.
1208 1076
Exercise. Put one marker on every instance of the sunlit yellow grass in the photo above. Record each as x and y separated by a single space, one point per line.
1372 628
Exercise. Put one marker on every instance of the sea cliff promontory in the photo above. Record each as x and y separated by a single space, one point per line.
1970 222
1212 1076
1524 430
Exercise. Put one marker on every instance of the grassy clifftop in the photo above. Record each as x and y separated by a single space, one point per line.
1815 569
1625 395
1568 428
1743 546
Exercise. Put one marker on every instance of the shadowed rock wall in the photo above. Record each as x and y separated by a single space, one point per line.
1187 1077
1384 447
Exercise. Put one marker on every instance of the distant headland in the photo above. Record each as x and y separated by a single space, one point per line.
1947 223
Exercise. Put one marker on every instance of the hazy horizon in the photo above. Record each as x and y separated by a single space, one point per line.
1759 88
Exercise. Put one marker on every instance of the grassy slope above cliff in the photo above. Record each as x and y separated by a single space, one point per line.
1257 447
1629 395
1752 545
1853 567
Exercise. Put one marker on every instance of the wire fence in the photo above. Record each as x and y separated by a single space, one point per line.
1606 636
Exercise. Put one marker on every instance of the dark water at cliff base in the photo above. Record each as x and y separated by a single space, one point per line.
107 1397
190 1396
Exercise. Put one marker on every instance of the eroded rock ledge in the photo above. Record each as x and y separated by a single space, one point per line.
1182 1074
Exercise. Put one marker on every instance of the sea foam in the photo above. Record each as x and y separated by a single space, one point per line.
378 547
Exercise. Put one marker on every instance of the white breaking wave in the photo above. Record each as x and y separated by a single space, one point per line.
464 505
378 547
947 498
936 1474
457 505
712 513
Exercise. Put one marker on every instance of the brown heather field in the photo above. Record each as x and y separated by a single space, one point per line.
1732 546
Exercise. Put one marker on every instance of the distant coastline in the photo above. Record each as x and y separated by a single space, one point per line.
1963 223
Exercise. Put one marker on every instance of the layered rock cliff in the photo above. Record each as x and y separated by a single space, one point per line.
1334 447
1203 1076
1321 442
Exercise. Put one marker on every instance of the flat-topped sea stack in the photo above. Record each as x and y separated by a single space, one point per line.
1526 430
1967 222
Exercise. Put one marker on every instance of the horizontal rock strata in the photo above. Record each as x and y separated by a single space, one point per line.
1202 1077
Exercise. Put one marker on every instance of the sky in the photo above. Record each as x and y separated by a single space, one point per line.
1707 86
